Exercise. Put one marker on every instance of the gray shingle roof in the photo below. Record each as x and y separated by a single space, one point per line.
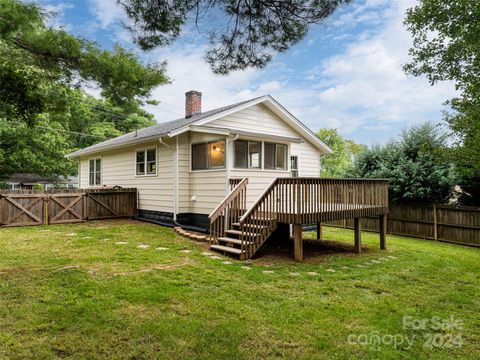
154 131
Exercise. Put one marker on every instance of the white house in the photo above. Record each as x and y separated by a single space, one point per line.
182 168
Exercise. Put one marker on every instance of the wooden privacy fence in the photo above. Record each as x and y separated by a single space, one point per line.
460 225
30 207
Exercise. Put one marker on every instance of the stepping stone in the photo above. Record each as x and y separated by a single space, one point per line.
246 268
45 230
215 257
121 243
312 273
88 237
375 261
331 270
71 234
207 253
161 248
143 246
227 262
391 257
345 267
384 259
268 271
294 274
185 251
360 266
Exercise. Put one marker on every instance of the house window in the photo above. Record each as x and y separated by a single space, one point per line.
95 173
248 154
146 162
15 187
210 155
294 165
275 156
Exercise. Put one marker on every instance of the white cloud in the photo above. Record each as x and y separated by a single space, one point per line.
367 83
107 12
362 88
188 71
57 19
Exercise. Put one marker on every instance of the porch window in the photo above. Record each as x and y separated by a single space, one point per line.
95 172
247 154
209 155
275 156
146 162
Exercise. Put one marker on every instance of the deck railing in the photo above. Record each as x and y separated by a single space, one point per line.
310 200
228 211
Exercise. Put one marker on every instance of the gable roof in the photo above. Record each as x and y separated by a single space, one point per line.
177 127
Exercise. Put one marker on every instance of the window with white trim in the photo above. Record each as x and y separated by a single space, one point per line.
146 162
247 154
208 155
275 157
95 172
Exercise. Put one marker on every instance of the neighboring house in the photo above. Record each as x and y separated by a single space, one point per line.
182 168
20 181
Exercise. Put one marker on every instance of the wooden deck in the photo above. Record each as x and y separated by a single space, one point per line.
241 231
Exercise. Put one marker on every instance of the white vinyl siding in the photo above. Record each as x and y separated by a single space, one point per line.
118 168
201 191
184 173
207 187
259 119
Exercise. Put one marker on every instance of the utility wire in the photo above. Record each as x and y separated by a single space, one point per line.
18 123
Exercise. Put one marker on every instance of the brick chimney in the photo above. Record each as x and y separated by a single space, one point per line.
193 103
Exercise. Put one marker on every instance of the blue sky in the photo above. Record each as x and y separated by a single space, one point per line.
345 74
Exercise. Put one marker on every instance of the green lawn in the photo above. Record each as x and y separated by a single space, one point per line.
71 292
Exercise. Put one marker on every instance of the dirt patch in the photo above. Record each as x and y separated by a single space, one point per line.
314 251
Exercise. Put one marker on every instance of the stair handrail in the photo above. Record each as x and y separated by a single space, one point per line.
257 202
227 200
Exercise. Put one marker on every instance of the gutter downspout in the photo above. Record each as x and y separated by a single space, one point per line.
175 176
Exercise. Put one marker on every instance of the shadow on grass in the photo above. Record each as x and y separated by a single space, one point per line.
314 251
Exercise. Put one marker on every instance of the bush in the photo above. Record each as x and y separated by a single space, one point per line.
414 165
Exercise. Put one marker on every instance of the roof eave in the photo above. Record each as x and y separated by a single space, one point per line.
80 153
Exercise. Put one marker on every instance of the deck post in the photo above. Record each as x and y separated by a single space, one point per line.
319 231
358 235
383 231
298 244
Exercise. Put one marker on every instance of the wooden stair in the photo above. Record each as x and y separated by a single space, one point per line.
231 243
239 232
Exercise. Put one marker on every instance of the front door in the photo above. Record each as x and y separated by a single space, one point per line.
294 165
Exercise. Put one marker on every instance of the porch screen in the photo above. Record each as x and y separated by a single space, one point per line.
247 154
209 155
275 156
199 156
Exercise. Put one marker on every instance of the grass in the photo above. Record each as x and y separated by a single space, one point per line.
72 292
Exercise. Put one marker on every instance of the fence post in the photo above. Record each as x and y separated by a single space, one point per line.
46 199
435 225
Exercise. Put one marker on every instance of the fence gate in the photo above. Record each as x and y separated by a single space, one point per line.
31 207
22 209
66 208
